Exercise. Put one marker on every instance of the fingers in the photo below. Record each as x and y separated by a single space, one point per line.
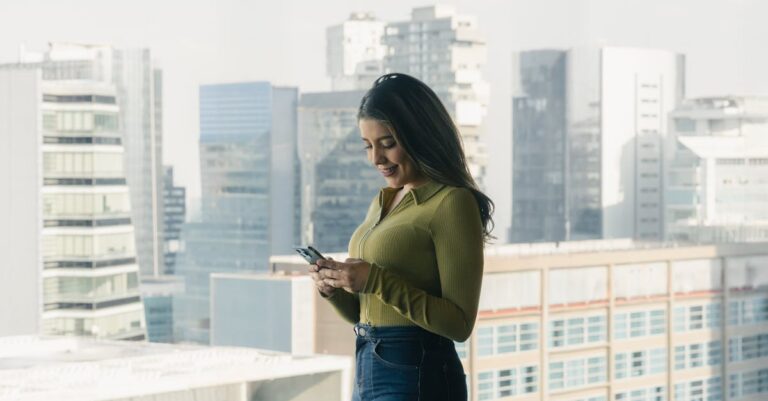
330 273
327 263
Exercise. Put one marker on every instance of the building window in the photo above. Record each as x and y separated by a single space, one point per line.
596 370
574 373
462 349
680 357
658 321
695 355
485 341
714 353
620 365
637 324
557 333
529 336
596 329
530 379
485 386
507 383
658 360
575 331
506 339
637 364
620 326
556 375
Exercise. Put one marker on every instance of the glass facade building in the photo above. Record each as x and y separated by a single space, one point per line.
250 201
338 182
588 129
174 216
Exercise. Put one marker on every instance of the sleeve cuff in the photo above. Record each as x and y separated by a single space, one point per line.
373 284
327 296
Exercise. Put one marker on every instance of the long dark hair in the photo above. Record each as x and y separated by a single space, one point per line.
424 128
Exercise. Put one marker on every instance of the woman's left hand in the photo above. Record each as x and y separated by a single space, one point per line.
350 274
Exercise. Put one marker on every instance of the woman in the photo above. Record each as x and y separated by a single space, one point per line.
412 283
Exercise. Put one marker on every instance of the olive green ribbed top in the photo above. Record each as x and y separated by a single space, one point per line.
426 259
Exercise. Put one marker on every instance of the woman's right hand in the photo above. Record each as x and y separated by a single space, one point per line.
324 288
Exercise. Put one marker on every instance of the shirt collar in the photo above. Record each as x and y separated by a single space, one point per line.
420 194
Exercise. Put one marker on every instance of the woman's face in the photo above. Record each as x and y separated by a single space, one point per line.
388 156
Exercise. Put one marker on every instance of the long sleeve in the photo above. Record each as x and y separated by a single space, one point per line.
456 232
346 304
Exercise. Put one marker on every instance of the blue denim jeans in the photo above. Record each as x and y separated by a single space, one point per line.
405 363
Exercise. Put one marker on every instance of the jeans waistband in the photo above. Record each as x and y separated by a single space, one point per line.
369 332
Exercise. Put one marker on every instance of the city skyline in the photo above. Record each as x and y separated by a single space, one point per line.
220 43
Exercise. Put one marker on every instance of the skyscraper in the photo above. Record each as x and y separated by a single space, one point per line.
354 52
85 251
338 182
717 170
138 86
446 51
588 129
174 215
250 199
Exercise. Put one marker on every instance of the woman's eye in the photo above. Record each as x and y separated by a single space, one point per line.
388 145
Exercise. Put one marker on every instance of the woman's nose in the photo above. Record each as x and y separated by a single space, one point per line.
378 156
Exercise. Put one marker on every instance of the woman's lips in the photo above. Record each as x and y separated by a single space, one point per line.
388 171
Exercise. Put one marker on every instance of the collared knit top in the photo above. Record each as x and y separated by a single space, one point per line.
426 258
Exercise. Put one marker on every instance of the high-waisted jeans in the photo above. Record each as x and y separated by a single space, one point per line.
406 363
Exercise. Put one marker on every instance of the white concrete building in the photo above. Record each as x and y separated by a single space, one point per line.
447 51
138 86
354 52
77 369
717 170
70 223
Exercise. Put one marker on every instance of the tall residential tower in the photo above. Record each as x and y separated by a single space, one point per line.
446 51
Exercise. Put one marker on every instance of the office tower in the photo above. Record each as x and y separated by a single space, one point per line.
138 86
613 320
717 170
446 51
250 198
354 52
84 252
174 215
157 294
50 368
338 182
588 129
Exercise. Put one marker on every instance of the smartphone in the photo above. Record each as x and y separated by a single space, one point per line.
310 254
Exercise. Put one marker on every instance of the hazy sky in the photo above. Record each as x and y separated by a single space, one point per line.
197 42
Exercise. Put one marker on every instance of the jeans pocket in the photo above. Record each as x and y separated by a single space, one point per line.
404 354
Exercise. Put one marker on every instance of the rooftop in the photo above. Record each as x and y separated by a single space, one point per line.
70 368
